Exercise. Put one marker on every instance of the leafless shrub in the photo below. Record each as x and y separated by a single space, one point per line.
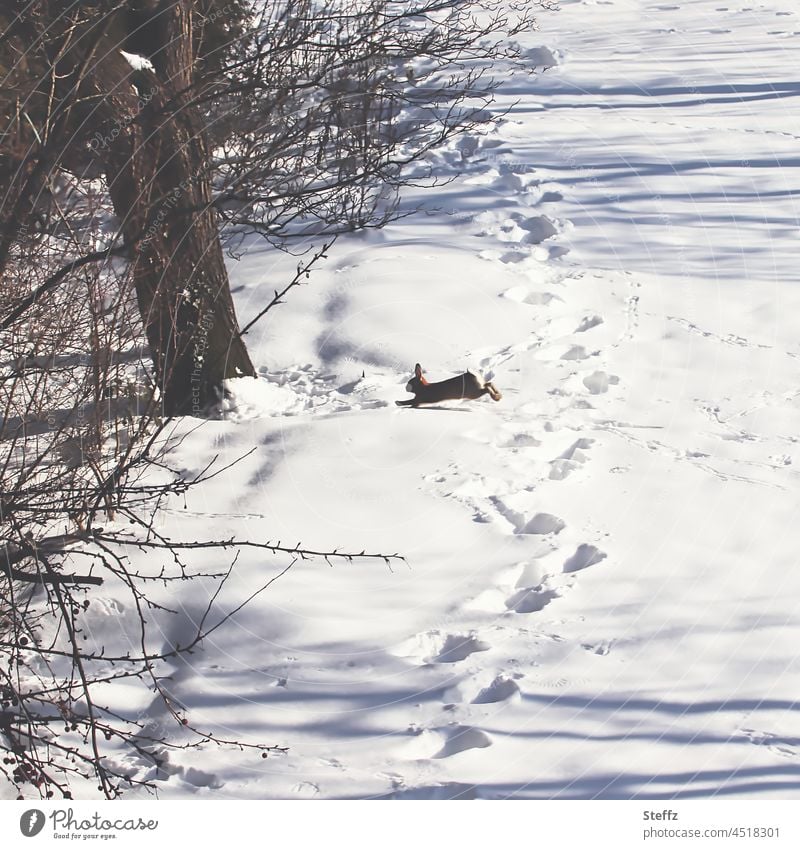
118 187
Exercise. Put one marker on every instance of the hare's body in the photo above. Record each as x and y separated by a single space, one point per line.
467 385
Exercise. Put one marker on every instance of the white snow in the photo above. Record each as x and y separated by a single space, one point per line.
601 595
137 62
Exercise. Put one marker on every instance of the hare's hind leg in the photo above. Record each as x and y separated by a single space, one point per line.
412 402
494 393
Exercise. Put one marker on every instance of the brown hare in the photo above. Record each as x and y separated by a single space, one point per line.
467 385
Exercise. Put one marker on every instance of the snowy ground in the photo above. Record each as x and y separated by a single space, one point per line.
601 597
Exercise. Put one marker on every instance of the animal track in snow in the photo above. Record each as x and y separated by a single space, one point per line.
571 459
543 523
526 592
588 322
631 317
598 382
306 790
484 688
530 599
780 746
560 469
301 388
501 689
509 352
511 492
540 524
521 440
542 253
437 792
435 647
200 778
526 234
160 768
728 339
513 257
523 295
538 228
458 647
531 594
779 460
539 253
602 648
516 178
554 683
443 742
575 352
575 451
585 555
461 738
550 197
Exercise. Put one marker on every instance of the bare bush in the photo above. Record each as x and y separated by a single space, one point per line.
120 183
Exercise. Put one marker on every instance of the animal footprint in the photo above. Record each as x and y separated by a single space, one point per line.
306 790
550 197
550 252
602 648
500 690
588 323
483 689
571 459
516 178
513 257
559 469
200 778
585 555
530 599
575 352
461 738
598 382
434 647
521 440
777 745
538 228
542 523
530 594
458 647
523 295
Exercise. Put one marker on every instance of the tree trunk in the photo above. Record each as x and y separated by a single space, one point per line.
157 167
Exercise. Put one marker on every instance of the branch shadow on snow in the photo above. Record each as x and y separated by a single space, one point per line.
703 784
654 98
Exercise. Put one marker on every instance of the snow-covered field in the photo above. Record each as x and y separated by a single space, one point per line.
601 596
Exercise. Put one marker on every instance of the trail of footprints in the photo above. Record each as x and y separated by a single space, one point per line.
495 681
784 747
480 672
522 227
473 660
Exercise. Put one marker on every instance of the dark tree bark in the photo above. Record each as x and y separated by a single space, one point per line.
317 113
157 171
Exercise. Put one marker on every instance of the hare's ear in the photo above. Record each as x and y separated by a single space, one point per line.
417 370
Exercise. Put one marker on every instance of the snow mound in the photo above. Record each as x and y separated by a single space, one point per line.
253 398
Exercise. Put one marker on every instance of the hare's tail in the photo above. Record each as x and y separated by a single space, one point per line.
494 393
